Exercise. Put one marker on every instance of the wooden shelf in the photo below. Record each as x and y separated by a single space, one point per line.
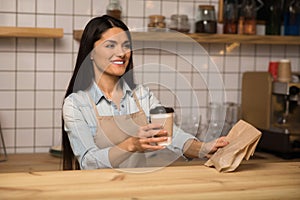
247 39
208 38
30 32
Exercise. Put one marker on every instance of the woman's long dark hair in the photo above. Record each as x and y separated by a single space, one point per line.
83 74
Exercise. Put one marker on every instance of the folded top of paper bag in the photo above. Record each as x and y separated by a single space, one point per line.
243 139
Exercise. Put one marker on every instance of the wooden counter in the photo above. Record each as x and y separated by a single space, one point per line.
280 180
33 162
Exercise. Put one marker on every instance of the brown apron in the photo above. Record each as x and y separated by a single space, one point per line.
112 130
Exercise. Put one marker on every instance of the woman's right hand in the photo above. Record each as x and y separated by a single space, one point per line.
147 138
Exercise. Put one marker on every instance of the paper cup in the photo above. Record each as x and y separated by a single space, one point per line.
165 117
284 73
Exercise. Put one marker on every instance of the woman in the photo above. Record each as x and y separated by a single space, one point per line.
105 113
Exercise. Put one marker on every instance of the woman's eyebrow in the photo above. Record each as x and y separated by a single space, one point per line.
115 42
112 41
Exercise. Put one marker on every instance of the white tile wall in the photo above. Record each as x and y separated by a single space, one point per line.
45 6
45 20
34 73
26 6
26 20
7 19
64 7
24 46
28 96
7 101
7 6
82 7
25 138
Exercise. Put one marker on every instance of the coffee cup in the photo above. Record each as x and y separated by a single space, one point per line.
284 73
164 116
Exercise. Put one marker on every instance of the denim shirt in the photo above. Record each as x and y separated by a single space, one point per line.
81 122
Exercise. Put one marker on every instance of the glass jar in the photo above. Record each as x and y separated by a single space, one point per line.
114 9
230 16
247 19
206 19
156 23
180 23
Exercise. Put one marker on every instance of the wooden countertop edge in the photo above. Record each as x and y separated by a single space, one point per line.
28 162
250 181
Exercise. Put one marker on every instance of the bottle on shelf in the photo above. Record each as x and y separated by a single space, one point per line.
292 17
114 9
273 22
230 17
247 18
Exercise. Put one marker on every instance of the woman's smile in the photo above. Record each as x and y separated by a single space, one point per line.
118 62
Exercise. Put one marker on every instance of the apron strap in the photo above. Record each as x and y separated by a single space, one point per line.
137 102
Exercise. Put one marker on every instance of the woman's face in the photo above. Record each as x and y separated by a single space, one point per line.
112 52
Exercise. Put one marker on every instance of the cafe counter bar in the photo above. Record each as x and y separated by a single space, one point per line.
259 180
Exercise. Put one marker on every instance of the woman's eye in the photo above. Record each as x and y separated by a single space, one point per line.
127 46
110 46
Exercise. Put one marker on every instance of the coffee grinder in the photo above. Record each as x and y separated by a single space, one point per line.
274 108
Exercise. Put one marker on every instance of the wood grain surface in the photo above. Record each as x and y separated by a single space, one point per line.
31 32
279 180
208 38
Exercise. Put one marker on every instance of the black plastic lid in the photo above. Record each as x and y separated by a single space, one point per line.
161 109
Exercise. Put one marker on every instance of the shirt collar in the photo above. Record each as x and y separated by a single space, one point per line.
96 94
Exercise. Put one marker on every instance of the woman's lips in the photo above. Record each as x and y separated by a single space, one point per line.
118 62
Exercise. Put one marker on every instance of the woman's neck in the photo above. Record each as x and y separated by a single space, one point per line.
110 86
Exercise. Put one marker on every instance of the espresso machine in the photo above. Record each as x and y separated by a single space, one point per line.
273 107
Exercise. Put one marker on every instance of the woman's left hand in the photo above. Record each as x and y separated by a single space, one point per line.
211 147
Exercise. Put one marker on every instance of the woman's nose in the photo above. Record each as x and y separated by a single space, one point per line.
120 51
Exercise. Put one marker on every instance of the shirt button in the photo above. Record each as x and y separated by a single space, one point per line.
122 106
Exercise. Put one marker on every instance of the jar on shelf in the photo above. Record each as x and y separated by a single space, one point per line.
206 19
230 17
247 19
156 23
180 23
114 9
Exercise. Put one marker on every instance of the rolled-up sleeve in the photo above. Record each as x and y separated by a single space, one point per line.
81 125
179 139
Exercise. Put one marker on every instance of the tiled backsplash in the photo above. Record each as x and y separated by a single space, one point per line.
34 73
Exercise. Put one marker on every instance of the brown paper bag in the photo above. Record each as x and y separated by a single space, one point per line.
243 139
